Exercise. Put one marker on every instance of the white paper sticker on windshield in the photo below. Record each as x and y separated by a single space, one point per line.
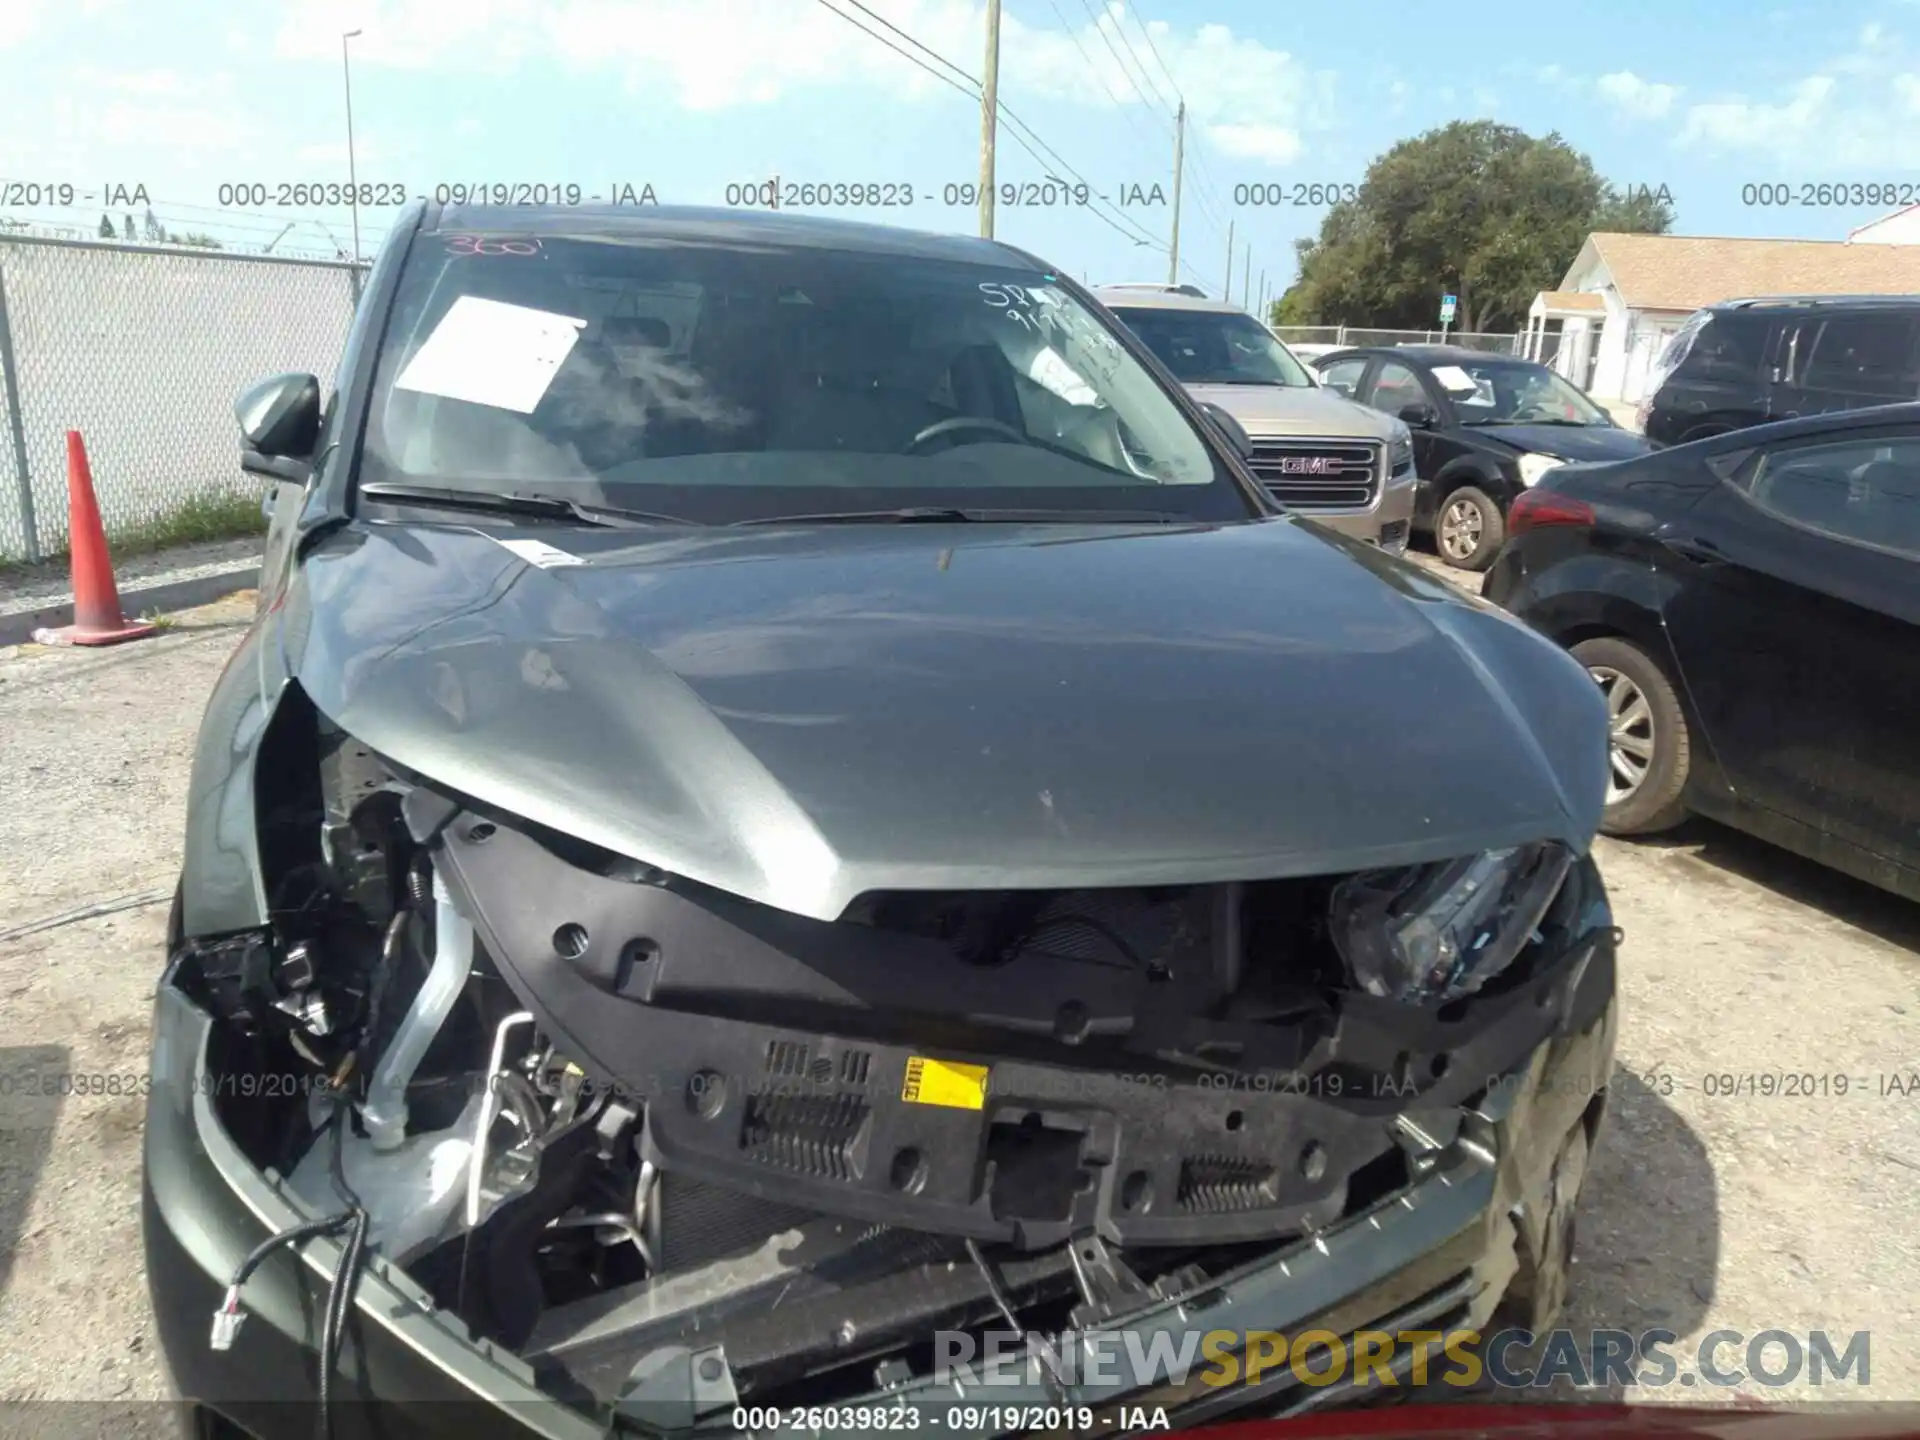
538 552
488 353
1454 378
1050 370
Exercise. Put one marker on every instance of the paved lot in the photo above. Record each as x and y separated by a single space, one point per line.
1704 1211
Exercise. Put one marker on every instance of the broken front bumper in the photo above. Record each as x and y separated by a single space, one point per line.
1489 1206
1487 1220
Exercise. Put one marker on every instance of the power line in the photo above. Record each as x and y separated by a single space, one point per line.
1094 70
1120 25
1087 6
1141 20
1019 125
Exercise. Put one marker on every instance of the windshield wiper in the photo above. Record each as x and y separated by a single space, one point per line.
954 515
518 504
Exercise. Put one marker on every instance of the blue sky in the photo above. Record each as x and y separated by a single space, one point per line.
1701 96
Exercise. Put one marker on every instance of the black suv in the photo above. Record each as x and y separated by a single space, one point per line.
1746 362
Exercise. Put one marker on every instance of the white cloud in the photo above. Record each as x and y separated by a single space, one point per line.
1249 99
1273 144
1822 120
150 121
1637 98
19 19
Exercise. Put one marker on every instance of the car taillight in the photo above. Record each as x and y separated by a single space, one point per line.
1534 508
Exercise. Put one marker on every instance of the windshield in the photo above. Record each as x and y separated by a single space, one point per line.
1206 347
1513 392
719 381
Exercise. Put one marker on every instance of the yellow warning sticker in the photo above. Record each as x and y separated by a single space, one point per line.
945 1082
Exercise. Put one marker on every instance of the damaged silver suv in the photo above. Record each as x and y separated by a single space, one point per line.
791 807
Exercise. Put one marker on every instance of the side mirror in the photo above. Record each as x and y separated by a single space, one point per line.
279 426
1420 415
1235 432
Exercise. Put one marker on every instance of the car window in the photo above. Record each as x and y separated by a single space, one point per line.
1863 355
1727 340
1516 392
1214 347
1864 491
1395 387
1344 375
549 362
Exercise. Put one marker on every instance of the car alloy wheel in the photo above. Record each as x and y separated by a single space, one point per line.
1629 733
1460 529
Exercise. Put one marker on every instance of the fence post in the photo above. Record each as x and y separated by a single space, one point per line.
353 284
9 376
1340 338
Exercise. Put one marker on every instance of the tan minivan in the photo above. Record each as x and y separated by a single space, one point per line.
1321 455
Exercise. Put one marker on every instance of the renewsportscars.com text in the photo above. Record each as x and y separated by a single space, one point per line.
1506 1359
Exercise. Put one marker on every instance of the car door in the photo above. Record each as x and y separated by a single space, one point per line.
1795 617
1344 376
1392 387
1846 362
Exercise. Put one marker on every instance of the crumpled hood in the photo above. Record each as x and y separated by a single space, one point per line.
1290 410
1569 442
801 715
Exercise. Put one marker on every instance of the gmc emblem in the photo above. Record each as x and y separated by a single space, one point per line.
1306 465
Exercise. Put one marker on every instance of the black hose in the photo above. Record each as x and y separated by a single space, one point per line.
346 1274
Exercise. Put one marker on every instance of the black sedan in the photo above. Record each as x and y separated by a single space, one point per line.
1485 428
792 814
1750 605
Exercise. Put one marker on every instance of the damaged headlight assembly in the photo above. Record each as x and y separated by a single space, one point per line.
1428 934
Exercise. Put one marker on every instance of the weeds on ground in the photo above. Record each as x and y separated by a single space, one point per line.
215 515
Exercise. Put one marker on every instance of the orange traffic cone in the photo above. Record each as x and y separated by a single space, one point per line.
97 619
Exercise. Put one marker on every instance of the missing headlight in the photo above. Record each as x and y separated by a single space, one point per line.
1433 933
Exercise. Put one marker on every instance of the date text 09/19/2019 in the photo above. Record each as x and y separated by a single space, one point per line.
777 194
248 1084
958 1419
311 195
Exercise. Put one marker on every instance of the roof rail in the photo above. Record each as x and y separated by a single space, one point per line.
1165 289
1759 300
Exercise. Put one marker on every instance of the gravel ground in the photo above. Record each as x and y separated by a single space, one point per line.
34 587
1704 1211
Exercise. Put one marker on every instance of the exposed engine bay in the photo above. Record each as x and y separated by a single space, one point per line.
612 1118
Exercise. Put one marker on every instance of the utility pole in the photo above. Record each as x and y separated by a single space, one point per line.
1179 162
1246 277
353 180
1229 295
1263 297
989 117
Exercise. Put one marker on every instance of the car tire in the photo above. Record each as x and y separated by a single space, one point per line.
1649 737
1468 528
1705 432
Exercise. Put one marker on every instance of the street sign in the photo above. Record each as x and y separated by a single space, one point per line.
1447 303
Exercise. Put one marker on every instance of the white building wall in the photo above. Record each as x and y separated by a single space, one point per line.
1610 364
1900 228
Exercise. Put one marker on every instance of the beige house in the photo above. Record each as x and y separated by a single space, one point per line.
1624 295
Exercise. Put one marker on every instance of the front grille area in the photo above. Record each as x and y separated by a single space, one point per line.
1319 474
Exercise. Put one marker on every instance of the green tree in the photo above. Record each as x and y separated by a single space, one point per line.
205 242
1477 209
107 232
127 231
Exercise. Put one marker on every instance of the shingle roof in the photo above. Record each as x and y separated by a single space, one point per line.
1686 272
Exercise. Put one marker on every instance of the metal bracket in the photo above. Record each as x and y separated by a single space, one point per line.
675 1388
1107 1286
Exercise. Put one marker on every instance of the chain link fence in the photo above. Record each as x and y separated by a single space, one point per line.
1494 342
143 349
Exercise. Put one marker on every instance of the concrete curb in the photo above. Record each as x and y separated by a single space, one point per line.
18 627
